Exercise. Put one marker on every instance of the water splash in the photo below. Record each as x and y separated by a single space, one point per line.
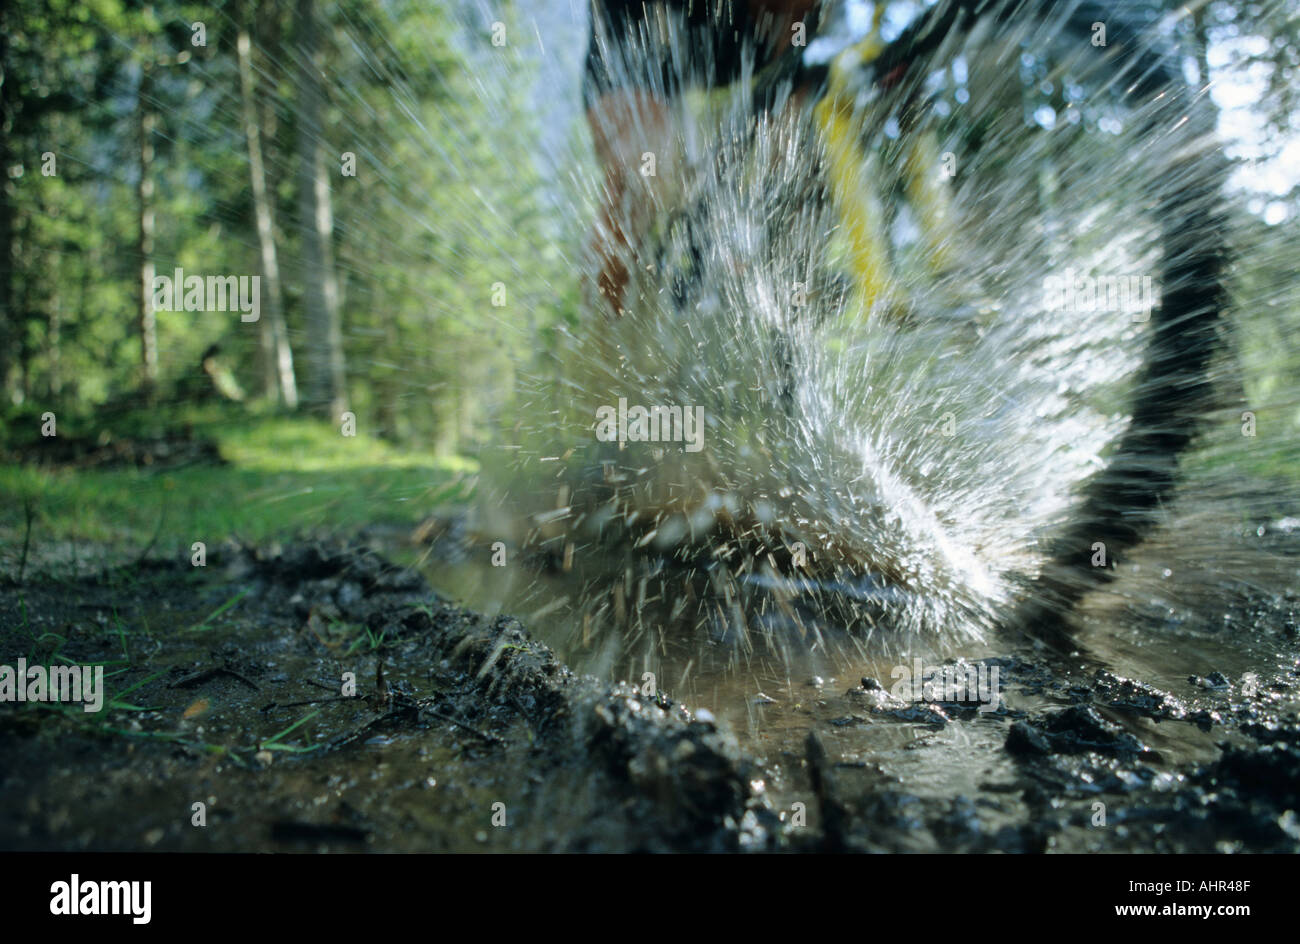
905 467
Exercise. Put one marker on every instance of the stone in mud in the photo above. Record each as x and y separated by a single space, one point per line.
1205 719
1076 730
1080 728
1024 739
1271 773
1137 697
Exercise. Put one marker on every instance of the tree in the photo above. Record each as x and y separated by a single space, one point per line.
325 388
147 321
277 357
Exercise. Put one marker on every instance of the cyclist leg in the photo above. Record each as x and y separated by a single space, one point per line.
630 79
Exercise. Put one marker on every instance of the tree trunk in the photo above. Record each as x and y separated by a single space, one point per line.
277 357
325 387
8 317
53 347
148 323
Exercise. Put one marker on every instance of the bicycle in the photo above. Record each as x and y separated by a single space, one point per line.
871 94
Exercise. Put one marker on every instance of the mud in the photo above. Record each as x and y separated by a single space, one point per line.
226 688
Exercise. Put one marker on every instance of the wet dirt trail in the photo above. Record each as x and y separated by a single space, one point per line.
229 687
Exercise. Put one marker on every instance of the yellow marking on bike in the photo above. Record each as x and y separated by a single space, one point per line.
853 175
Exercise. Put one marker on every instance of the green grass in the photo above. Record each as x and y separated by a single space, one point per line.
365 636
1260 459
285 476
273 743
221 609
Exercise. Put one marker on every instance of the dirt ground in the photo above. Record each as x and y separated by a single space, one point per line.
229 726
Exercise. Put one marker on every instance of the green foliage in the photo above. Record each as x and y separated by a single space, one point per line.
446 204
442 206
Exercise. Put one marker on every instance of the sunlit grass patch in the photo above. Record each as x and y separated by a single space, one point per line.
283 476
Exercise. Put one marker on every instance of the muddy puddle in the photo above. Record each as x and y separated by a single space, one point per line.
1178 664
